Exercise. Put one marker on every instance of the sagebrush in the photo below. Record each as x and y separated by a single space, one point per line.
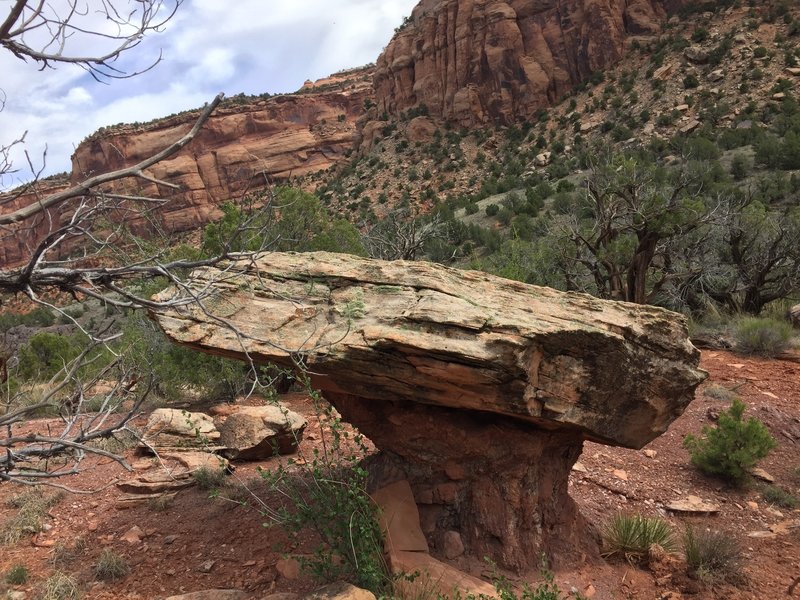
712 555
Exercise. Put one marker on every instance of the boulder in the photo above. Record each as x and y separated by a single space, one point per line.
696 54
434 578
690 126
543 159
794 316
480 391
171 428
420 129
399 518
664 72
260 432
340 590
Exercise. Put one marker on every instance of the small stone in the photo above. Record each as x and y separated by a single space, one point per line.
589 591
133 536
620 474
778 96
212 595
752 505
453 545
579 468
761 534
207 566
169 539
650 453
692 505
761 474
288 568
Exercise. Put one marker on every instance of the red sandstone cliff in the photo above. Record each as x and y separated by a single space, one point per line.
242 147
476 61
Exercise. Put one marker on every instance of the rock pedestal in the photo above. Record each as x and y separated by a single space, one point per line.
501 484
479 390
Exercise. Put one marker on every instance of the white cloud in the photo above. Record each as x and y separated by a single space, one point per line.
249 46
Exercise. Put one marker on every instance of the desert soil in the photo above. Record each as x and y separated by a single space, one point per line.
199 542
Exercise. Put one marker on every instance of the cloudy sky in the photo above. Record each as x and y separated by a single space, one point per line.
209 46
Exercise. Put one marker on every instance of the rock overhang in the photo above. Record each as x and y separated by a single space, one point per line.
616 372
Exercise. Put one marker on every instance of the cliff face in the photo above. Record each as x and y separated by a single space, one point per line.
242 148
476 61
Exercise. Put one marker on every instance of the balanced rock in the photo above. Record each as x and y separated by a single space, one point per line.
260 432
441 367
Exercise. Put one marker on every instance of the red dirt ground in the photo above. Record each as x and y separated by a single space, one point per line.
245 553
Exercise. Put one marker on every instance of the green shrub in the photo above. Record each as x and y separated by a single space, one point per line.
45 354
633 536
17 575
740 167
733 447
320 491
775 494
110 566
39 317
712 555
210 479
546 590
762 336
492 210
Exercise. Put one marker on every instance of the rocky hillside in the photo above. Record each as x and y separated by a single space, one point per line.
476 62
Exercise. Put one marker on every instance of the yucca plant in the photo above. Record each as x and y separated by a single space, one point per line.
635 536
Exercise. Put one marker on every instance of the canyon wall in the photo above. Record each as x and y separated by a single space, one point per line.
243 147
479 61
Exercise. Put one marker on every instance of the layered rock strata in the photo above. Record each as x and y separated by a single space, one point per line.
243 148
480 391
475 61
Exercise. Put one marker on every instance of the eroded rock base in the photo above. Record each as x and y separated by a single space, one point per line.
500 484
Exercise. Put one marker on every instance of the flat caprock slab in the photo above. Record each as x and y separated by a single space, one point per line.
618 373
